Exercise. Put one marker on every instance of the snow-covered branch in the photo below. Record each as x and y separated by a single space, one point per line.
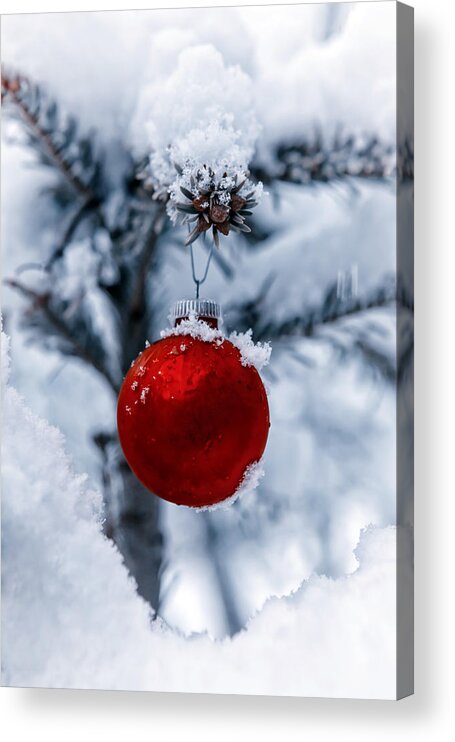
318 159
55 324
55 135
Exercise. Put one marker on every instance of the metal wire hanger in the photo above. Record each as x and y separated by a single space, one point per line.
199 281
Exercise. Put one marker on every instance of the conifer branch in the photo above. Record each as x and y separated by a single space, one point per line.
42 119
42 303
308 161
254 314
73 223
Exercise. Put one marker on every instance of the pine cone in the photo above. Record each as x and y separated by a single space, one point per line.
218 213
214 201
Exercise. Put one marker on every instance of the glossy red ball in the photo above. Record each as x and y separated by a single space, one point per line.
192 419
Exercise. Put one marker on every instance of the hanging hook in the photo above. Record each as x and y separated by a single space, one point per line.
199 281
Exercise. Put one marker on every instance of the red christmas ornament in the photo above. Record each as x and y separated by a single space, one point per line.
192 418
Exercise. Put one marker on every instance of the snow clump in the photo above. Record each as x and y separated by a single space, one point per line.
199 115
251 353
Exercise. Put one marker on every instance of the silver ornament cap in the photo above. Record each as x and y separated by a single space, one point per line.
200 307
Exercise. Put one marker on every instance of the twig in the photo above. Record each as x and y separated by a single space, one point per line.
137 303
69 230
133 304
308 323
233 619
314 160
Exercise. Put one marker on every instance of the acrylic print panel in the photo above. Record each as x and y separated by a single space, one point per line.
207 358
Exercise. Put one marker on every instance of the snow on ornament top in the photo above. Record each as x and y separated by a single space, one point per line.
251 353
193 414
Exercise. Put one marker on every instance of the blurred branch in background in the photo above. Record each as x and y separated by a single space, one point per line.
54 320
307 323
333 312
55 137
318 160
226 585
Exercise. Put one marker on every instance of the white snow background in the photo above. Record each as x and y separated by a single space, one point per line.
71 616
